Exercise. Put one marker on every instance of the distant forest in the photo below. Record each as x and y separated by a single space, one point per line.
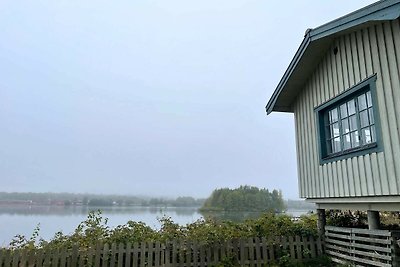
245 198
70 199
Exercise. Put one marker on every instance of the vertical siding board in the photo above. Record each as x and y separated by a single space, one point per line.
390 136
297 127
355 58
361 55
343 61
313 135
396 40
357 182
383 177
333 90
372 188
328 86
352 66
361 175
310 188
348 80
319 97
302 145
350 177
394 88
375 174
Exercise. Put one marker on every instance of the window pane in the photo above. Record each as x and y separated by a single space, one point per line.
373 136
346 142
345 126
351 105
369 100
333 116
336 145
354 139
335 132
329 146
353 123
366 136
362 102
371 116
364 118
343 111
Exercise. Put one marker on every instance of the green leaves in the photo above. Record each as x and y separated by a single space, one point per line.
244 198
206 231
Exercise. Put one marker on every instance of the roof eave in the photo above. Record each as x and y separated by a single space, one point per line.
383 10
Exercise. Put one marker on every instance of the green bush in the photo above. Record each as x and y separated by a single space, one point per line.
95 229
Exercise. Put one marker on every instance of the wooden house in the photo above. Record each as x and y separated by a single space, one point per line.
343 86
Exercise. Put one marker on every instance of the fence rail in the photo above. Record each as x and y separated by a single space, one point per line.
245 252
362 247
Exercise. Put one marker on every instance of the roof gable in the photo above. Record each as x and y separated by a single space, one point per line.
315 44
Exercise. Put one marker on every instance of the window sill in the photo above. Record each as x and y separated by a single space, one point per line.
354 152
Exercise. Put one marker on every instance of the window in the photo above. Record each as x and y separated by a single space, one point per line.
348 124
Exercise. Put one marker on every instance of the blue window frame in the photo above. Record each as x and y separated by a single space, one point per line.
349 123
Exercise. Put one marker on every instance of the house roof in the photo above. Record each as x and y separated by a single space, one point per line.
315 44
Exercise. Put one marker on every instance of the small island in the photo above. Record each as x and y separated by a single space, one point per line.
244 198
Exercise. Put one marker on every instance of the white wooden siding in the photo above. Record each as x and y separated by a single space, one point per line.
367 51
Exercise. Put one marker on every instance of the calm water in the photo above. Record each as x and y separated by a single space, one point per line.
23 219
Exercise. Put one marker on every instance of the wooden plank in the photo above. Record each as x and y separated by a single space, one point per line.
128 251
361 260
174 253
121 252
202 256
356 245
340 236
371 232
150 254
299 250
210 259
291 248
373 255
97 257
89 257
136 255
63 257
39 259
157 253
113 254
142 254
181 254
312 247
264 245
55 257
74 258
15 258
271 247
372 240
105 259
242 251
338 229
23 258
258 251
250 244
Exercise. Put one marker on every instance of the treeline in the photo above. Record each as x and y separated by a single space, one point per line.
244 198
71 199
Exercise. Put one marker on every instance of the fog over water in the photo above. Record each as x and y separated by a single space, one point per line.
160 98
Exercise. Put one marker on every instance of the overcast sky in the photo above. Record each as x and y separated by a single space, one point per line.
158 97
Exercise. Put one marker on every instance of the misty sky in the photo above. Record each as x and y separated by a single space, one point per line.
159 97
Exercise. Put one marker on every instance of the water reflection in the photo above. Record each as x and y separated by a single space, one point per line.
84 210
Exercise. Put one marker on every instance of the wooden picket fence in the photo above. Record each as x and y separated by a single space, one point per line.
245 252
362 247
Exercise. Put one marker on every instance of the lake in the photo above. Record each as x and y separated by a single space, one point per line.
23 219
